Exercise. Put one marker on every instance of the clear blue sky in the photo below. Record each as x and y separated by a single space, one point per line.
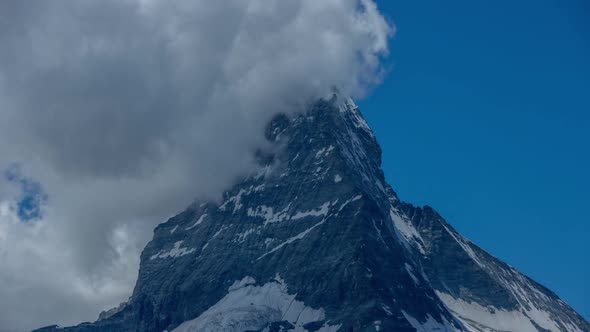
485 115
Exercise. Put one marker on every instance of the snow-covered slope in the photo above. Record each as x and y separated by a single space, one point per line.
316 240
248 307
483 292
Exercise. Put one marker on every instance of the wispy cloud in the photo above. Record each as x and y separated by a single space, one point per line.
124 111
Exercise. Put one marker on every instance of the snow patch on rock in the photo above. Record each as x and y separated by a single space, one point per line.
176 251
476 317
355 198
407 231
321 211
430 324
248 307
293 239
323 152
268 214
411 273
198 222
173 229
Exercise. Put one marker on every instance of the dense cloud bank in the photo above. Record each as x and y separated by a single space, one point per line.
115 114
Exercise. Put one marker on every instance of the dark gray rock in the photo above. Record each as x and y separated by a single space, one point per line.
316 240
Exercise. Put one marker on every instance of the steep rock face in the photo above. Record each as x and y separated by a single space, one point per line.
317 241
485 293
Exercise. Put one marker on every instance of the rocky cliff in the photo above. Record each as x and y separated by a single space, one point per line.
316 240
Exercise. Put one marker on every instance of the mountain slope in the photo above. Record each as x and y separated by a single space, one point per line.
482 291
317 241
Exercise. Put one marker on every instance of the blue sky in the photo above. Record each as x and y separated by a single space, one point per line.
485 115
31 197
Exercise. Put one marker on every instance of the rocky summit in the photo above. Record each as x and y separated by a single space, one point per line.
316 240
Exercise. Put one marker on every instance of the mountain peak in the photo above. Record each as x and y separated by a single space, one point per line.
316 240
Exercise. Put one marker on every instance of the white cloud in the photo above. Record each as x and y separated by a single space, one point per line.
126 110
